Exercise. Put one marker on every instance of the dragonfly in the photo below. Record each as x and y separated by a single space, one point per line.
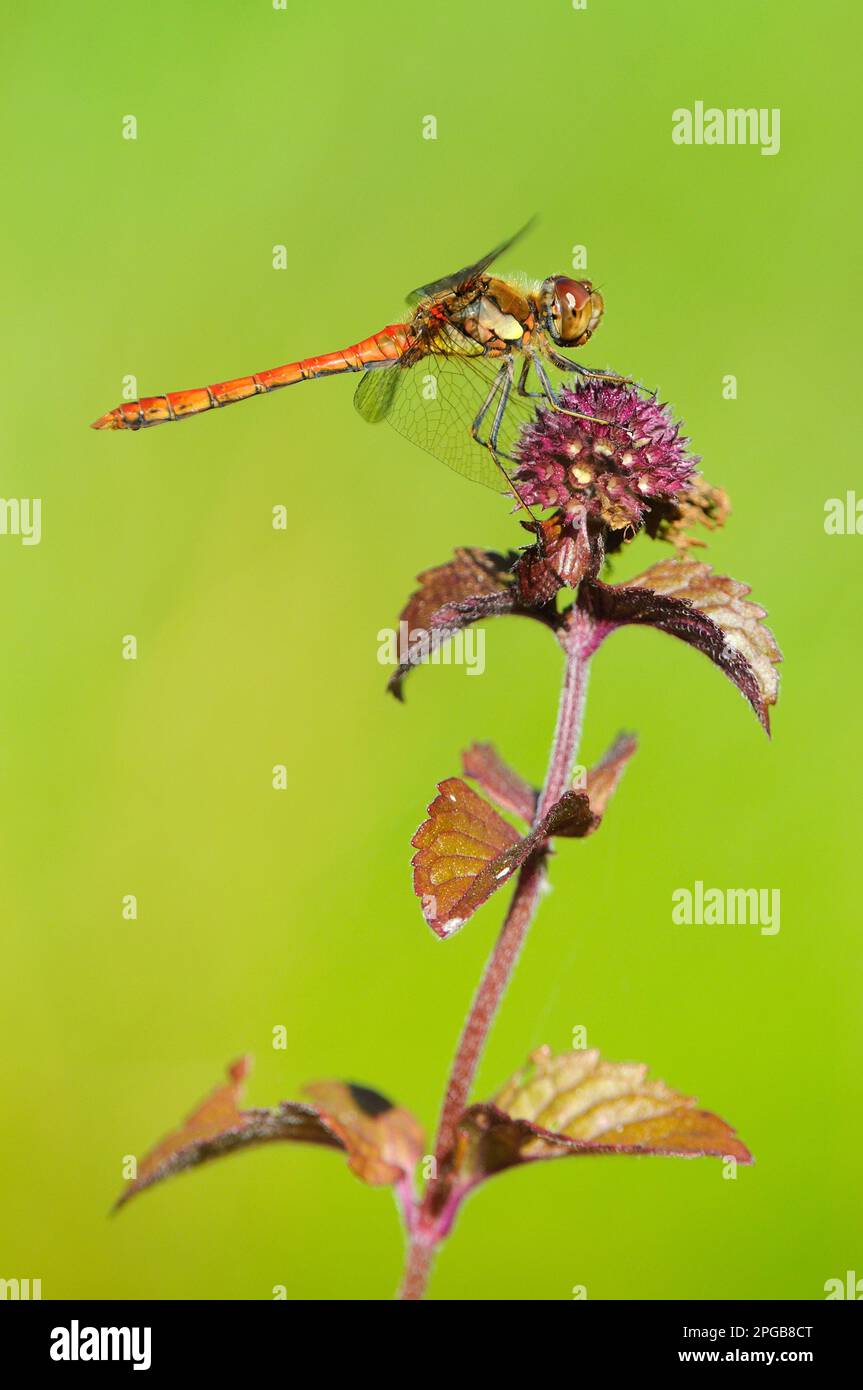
460 375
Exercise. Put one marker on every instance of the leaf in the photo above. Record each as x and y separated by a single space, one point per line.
710 611
465 851
382 1142
484 764
474 585
471 575
576 1103
603 777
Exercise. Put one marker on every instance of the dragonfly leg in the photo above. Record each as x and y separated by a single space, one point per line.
566 364
501 388
554 403
503 382
521 388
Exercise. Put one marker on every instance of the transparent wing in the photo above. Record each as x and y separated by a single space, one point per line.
376 392
434 399
468 272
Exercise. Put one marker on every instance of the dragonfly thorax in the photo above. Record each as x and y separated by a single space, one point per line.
495 316
487 324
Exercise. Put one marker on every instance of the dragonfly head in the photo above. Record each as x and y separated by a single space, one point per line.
570 309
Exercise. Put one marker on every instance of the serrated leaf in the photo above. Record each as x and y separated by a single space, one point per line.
576 1103
382 1142
465 851
709 611
474 585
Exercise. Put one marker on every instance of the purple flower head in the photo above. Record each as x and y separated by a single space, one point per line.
612 471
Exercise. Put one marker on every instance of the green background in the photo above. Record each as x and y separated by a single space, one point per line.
258 908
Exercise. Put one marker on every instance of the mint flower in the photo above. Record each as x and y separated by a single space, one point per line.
610 473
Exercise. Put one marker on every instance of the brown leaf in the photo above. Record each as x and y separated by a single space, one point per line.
382 1143
472 574
710 611
576 1103
603 777
484 764
474 585
464 851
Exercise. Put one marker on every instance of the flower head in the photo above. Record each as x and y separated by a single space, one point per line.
609 469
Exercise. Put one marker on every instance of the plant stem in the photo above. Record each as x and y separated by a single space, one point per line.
418 1265
494 981
570 716
502 961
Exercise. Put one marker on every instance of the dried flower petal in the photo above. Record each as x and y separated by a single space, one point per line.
700 505
562 554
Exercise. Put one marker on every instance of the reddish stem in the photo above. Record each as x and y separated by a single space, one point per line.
417 1270
426 1233
494 981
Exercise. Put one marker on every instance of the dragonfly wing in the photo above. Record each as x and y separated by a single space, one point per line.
376 392
469 272
435 400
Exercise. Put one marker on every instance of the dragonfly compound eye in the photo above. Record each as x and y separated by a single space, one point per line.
573 309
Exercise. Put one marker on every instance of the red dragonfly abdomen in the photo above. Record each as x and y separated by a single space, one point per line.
386 346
